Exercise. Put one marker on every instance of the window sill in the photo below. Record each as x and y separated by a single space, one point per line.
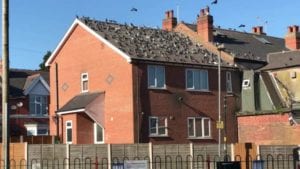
199 138
229 94
157 88
160 136
195 90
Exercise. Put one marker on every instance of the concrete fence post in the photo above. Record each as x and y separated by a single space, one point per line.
109 156
192 154
68 156
150 155
26 151
232 152
21 139
258 152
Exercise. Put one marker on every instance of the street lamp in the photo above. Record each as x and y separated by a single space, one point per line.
220 48
16 108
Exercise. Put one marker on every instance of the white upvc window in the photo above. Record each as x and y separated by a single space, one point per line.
98 134
228 82
197 79
38 105
36 129
158 126
69 132
199 127
84 82
156 77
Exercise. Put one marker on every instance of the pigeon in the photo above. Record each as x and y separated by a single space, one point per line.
242 26
214 2
133 10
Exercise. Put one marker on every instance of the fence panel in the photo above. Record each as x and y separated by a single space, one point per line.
277 156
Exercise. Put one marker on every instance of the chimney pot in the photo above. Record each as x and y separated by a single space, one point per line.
171 14
206 11
166 14
295 28
259 30
290 29
202 12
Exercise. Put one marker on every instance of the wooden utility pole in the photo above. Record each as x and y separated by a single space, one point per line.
5 84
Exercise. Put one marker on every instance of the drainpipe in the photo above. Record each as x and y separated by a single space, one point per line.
57 101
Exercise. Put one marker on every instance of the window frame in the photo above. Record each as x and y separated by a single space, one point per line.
157 127
194 88
155 86
35 128
84 80
202 128
43 104
228 82
69 127
95 134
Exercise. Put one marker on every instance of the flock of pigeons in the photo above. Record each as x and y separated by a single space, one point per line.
214 2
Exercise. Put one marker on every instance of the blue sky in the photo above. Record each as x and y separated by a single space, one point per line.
37 26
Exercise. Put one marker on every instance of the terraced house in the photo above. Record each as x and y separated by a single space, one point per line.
114 83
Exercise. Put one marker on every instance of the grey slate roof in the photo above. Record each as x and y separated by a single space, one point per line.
142 43
17 80
283 60
249 46
80 101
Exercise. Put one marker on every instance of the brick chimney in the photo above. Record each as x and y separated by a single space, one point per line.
259 30
170 21
205 25
292 38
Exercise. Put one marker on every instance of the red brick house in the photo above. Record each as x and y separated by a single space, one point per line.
269 97
28 102
114 83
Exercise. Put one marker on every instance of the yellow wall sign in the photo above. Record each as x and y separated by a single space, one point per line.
220 125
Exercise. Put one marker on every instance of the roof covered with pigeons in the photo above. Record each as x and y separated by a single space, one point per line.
144 43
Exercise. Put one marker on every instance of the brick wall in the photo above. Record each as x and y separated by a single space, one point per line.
107 71
85 124
157 102
268 129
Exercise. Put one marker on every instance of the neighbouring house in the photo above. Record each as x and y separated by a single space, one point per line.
247 50
270 111
269 100
28 102
114 83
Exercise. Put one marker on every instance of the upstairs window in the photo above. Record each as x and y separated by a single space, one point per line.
38 105
158 126
156 77
84 82
197 79
228 82
199 127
